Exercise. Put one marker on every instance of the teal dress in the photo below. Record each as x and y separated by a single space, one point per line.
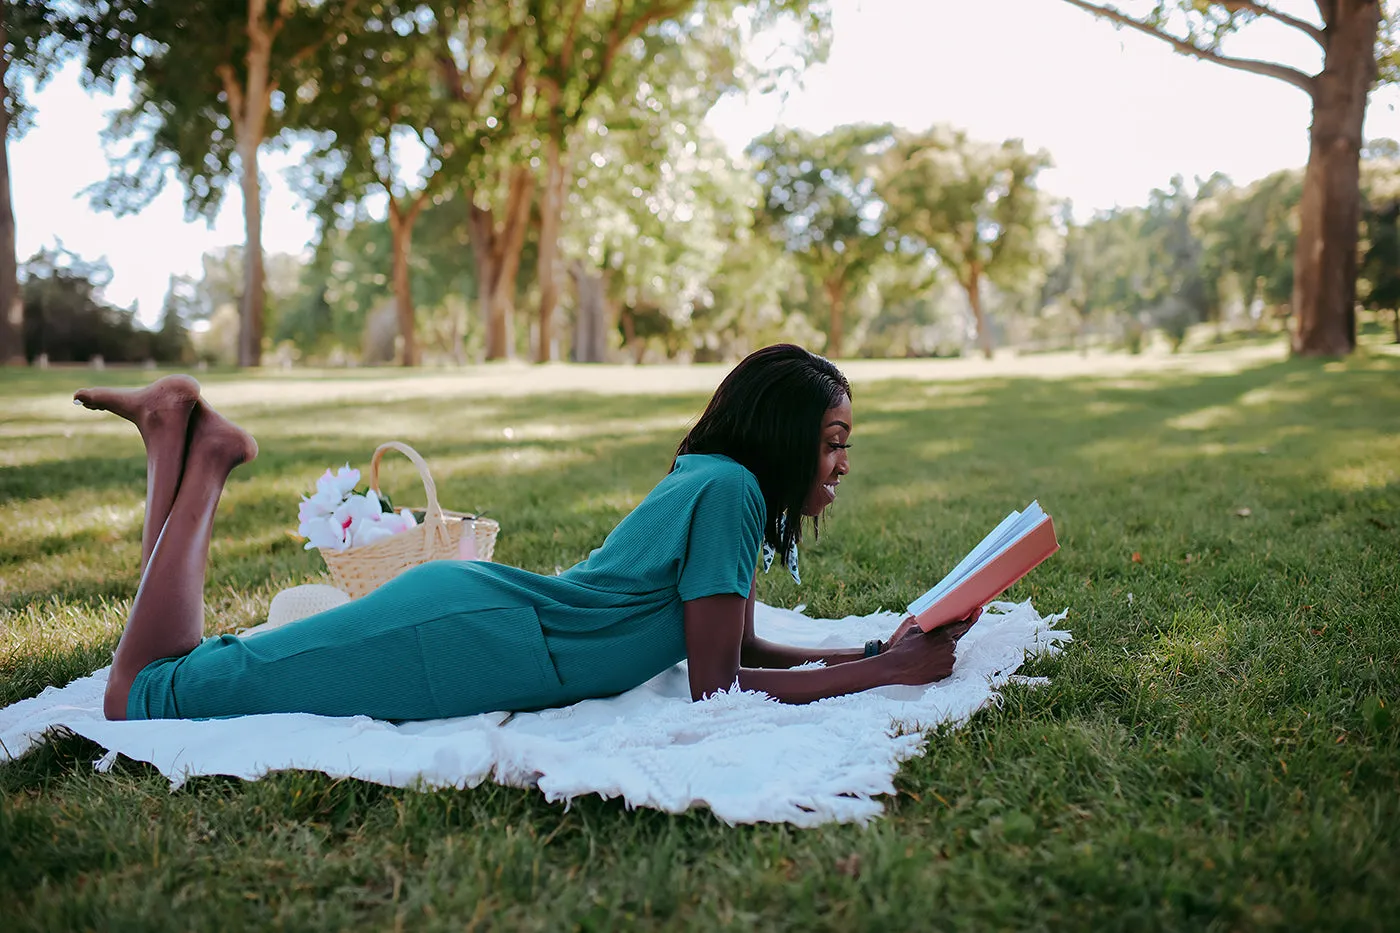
455 638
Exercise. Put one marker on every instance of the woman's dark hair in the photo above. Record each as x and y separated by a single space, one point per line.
767 416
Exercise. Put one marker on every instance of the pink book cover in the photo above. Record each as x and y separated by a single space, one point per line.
994 579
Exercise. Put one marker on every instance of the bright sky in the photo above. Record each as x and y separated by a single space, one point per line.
1118 112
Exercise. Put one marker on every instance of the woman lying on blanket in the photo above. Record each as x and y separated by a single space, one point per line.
674 580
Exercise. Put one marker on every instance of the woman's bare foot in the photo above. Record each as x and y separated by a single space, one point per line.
161 408
217 442
167 616
161 412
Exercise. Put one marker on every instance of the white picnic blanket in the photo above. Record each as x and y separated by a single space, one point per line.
745 756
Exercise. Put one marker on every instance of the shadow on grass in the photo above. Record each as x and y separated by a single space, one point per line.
1228 560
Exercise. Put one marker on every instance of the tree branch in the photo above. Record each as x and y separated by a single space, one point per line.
305 51
1269 69
566 52
1263 9
617 37
235 95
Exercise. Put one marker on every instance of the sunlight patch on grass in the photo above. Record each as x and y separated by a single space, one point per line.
619 502
53 624
1293 392
29 521
917 492
1205 419
930 452
518 459
1356 477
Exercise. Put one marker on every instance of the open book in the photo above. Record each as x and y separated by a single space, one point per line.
1011 551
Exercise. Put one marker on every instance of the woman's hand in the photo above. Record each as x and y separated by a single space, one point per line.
916 658
908 625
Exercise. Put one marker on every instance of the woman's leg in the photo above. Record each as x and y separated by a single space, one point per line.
167 617
161 412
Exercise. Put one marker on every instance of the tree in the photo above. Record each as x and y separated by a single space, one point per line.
819 201
633 44
66 319
1102 269
654 209
1359 43
973 204
207 78
1182 287
1380 260
480 54
31 33
1250 236
373 99
656 202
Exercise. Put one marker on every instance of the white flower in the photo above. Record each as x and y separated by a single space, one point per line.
338 485
323 533
357 510
334 518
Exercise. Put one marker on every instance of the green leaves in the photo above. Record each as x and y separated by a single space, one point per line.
819 199
32 36
974 204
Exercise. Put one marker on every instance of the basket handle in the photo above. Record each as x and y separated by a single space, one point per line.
433 520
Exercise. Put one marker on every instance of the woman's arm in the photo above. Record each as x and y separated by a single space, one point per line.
715 629
759 652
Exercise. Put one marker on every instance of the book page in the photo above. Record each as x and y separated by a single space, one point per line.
1011 529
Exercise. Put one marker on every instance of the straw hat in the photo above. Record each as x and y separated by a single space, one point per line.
298 602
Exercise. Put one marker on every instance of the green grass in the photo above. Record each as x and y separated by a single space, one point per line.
1218 749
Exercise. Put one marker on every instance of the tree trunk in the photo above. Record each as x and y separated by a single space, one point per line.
836 304
551 218
591 327
496 249
401 237
974 300
248 106
11 307
1324 266
1397 323
250 329
637 348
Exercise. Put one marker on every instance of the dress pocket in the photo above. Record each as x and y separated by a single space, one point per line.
488 659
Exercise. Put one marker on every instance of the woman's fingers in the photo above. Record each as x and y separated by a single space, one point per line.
904 628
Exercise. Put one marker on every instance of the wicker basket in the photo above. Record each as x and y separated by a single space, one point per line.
359 570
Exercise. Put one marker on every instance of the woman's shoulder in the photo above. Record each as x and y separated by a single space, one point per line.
704 469
717 476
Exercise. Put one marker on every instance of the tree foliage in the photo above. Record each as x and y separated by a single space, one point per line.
1358 39
974 205
32 34
819 201
66 320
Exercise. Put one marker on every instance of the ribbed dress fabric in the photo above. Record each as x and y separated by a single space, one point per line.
455 638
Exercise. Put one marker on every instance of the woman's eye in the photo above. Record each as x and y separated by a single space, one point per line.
835 446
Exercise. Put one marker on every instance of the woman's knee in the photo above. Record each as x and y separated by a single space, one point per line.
114 700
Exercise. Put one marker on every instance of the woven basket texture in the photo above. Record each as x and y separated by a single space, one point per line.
439 536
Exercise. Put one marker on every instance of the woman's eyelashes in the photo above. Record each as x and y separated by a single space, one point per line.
835 446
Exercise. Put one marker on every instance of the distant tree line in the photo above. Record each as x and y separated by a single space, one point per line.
534 178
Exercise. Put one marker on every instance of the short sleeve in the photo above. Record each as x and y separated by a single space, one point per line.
726 529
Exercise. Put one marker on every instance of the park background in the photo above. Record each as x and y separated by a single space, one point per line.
1217 749
634 204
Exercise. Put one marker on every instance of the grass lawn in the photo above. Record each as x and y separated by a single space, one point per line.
1219 747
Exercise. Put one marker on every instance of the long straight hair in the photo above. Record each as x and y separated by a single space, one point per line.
767 415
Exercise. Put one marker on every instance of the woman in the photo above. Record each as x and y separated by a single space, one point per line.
674 580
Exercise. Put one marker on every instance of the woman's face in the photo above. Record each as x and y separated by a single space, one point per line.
832 462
